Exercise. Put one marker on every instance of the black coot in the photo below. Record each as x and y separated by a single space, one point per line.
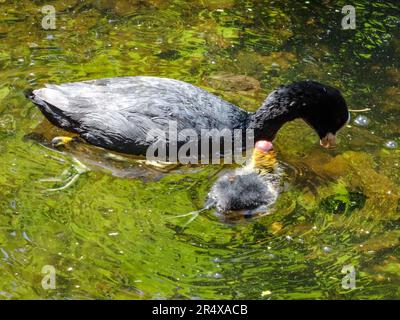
118 113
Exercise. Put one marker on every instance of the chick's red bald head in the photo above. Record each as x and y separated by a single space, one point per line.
263 146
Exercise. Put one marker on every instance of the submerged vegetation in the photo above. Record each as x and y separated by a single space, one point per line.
114 232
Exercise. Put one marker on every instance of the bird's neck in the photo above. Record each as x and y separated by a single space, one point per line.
264 162
269 118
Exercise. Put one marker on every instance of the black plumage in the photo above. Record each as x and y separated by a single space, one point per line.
240 192
118 113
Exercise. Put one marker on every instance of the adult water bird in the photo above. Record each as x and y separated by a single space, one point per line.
118 113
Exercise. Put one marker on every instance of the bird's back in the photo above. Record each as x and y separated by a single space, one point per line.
118 113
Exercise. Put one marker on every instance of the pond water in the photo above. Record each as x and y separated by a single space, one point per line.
113 233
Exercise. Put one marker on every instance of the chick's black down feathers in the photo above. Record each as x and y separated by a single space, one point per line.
240 192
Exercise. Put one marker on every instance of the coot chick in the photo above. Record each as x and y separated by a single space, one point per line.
241 192
118 113
255 186
246 191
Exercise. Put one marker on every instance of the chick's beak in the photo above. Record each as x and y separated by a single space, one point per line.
329 141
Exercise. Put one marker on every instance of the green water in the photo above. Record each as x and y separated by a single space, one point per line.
112 234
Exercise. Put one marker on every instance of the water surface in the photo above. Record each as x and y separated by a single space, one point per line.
113 235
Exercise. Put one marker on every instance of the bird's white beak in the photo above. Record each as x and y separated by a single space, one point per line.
329 141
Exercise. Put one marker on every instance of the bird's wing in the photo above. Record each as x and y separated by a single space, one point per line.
125 109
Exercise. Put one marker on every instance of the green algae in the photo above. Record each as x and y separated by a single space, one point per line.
114 233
